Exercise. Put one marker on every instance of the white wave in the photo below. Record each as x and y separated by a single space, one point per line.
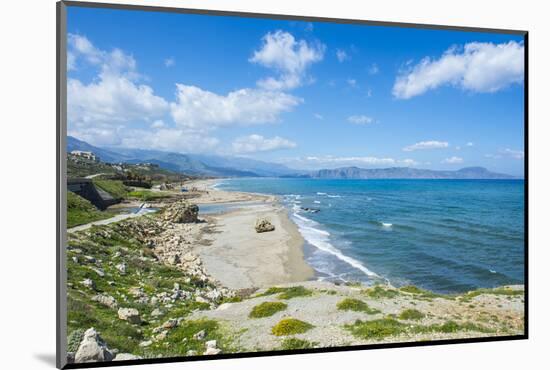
492 271
386 224
320 239
334 196
319 193
316 202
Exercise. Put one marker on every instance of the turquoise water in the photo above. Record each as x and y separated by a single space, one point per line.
442 235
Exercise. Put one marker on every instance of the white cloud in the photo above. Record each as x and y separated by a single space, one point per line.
169 62
257 143
352 82
478 67
507 153
342 56
158 124
201 109
115 96
329 161
318 116
453 160
469 143
373 69
432 144
289 57
360 120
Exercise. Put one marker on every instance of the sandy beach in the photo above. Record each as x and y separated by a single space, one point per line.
234 254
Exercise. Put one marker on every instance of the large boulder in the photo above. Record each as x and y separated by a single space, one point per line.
92 348
129 314
263 225
181 212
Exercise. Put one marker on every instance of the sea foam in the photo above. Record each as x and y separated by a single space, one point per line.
320 239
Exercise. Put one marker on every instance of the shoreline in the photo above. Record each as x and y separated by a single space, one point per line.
234 254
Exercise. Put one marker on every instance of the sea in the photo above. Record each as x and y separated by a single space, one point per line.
447 236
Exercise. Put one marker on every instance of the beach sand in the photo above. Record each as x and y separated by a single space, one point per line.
236 255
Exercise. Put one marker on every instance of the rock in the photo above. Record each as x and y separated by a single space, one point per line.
92 348
161 336
200 335
173 259
263 225
89 283
157 312
170 324
211 344
122 268
105 300
129 314
181 212
126 357
146 343
201 299
191 353
98 271
70 357
75 259
212 351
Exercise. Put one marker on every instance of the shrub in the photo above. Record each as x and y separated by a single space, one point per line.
74 339
376 329
290 326
290 292
295 343
380 292
267 309
411 314
351 304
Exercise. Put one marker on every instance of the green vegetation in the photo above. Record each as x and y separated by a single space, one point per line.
74 339
80 211
378 292
387 327
114 187
423 294
411 314
288 293
376 329
295 343
87 255
147 195
497 291
267 309
290 326
351 304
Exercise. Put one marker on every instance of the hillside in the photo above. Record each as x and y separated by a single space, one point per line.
407 173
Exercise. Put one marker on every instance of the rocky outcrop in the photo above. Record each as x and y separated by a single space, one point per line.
181 212
93 348
126 357
263 225
129 314
106 300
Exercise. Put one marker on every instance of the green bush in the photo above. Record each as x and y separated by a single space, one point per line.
352 304
288 293
411 314
290 326
267 309
74 339
380 292
376 329
295 343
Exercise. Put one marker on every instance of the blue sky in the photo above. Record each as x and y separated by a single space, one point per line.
310 95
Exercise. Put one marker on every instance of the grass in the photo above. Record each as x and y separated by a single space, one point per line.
352 304
106 246
114 187
411 314
295 343
388 327
378 292
422 293
267 309
497 291
288 293
376 329
147 195
290 326
80 211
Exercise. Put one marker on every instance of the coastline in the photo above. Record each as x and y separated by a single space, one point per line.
238 257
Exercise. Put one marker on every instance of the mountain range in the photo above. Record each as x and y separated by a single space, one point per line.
226 166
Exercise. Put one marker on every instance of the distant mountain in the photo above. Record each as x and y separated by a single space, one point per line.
193 164
407 173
